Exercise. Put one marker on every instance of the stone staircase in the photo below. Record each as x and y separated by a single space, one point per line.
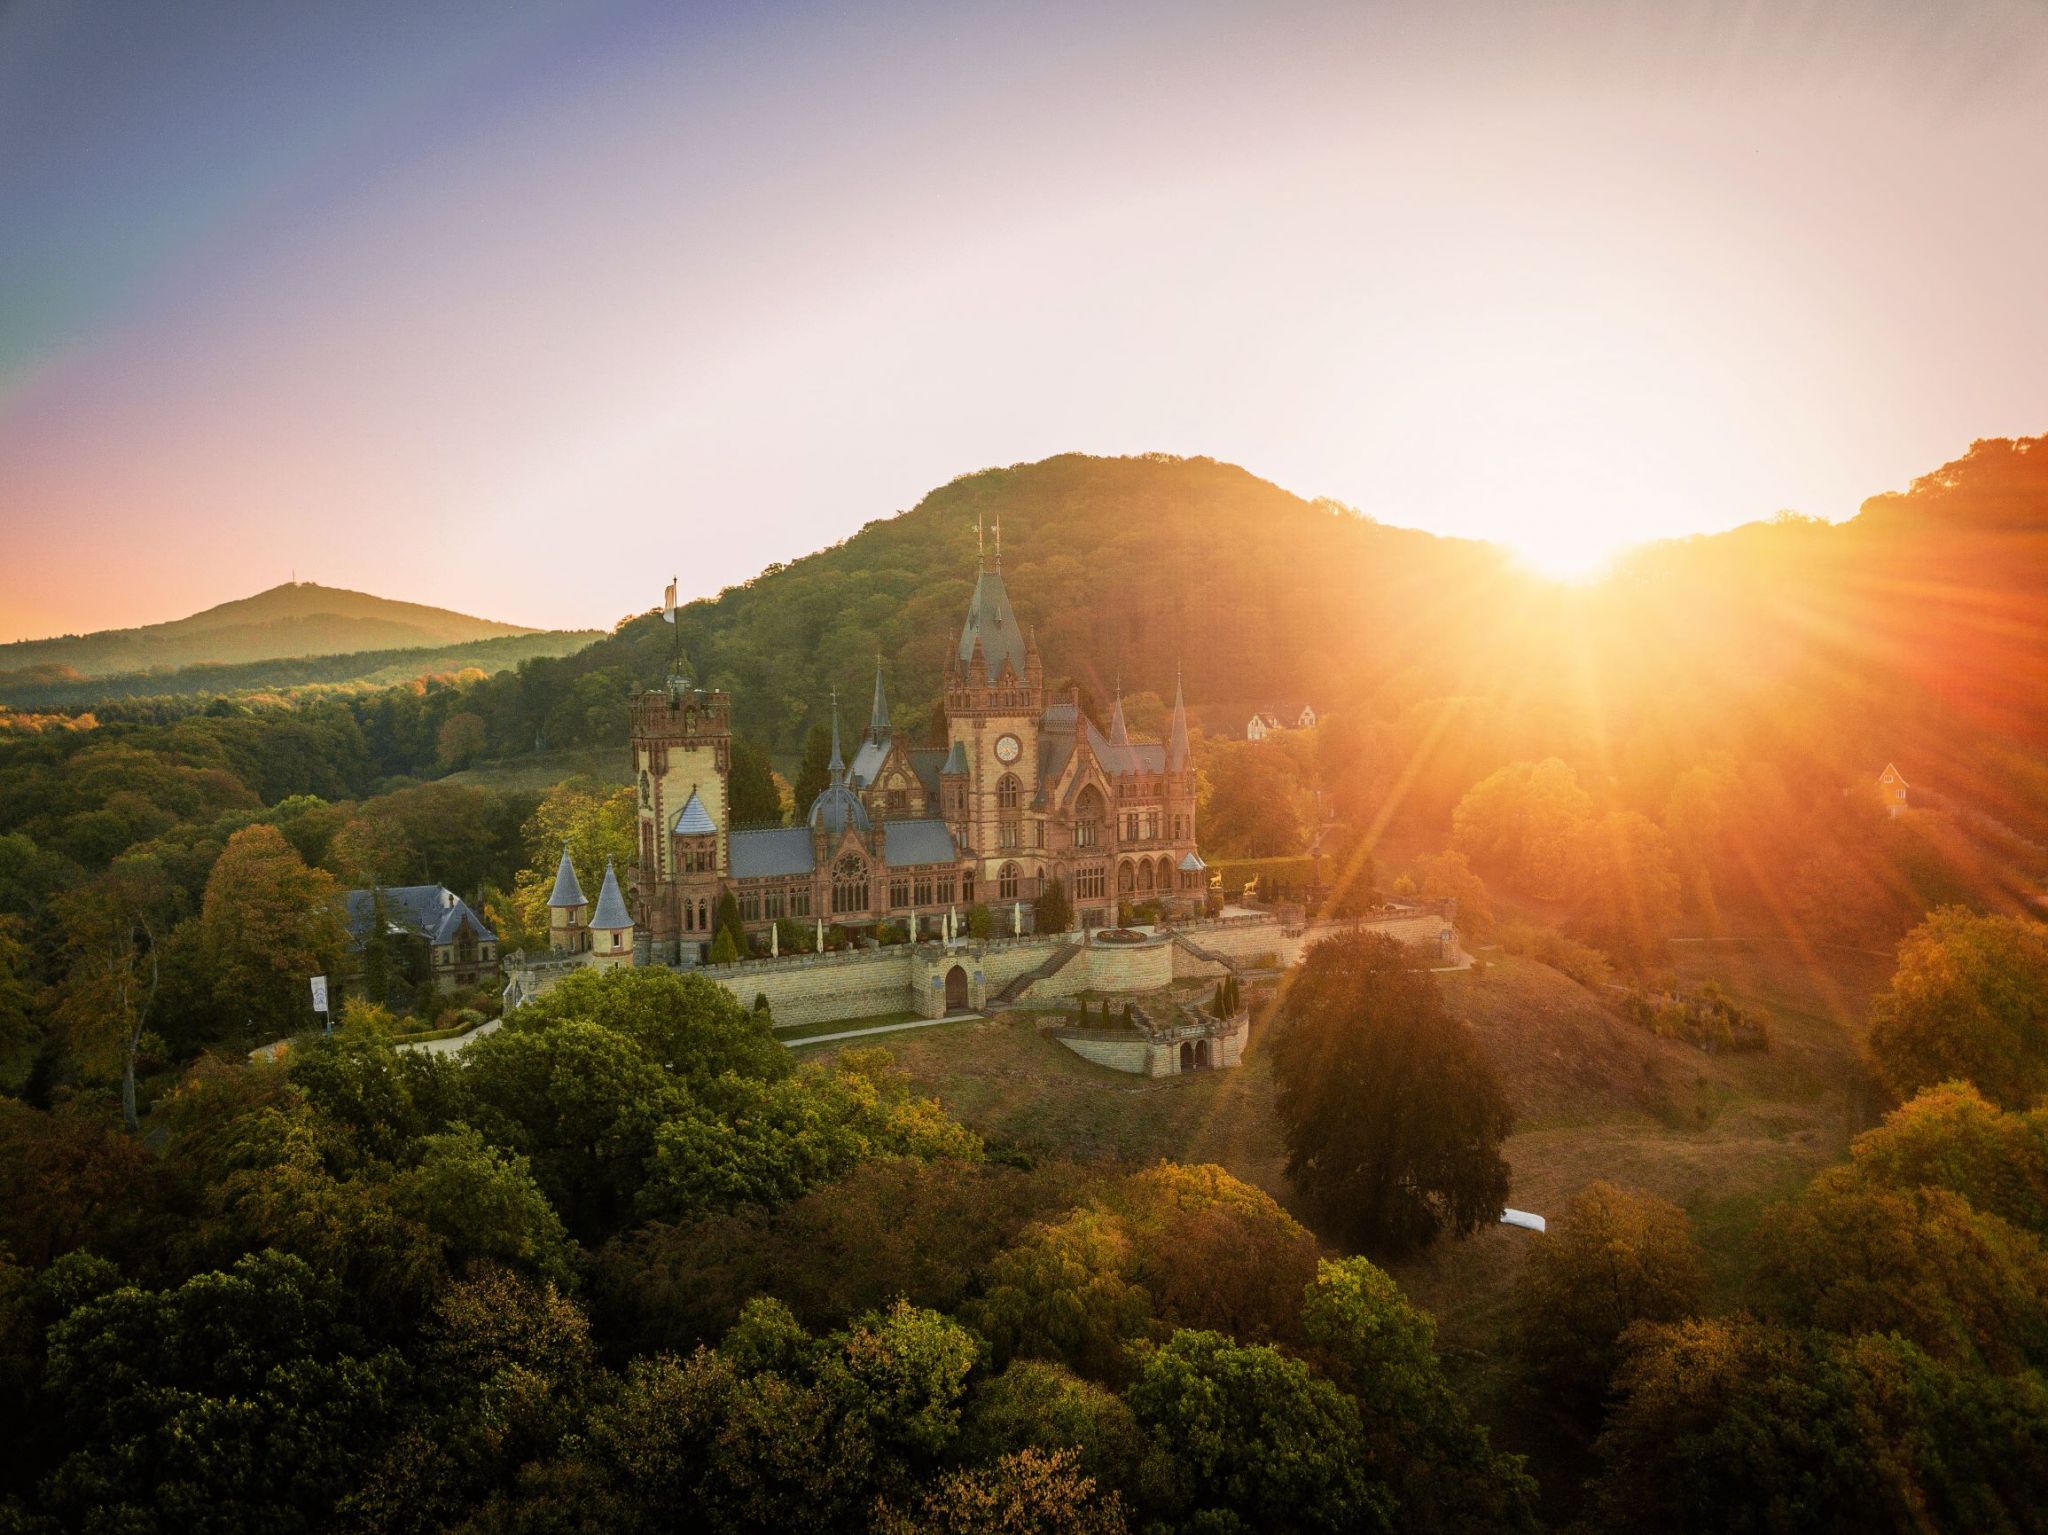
1202 953
1052 965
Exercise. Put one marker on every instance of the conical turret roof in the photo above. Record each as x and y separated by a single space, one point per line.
1119 732
1177 732
567 892
992 624
611 903
878 717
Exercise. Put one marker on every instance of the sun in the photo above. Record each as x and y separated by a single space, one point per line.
1575 556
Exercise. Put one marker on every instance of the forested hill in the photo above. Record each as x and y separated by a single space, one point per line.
1917 630
297 619
1124 567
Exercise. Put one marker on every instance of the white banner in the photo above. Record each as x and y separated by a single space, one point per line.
319 993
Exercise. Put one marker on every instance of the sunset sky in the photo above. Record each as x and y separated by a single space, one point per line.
408 297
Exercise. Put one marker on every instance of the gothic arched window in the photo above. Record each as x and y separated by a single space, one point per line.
1006 882
1126 879
850 884
646 788
1088 817
1009 788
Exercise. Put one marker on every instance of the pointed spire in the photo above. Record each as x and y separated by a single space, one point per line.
999 541
611 913
1119 732
838 762
567 891
878 717
1177 731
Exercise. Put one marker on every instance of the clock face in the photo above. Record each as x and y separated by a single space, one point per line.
1007 748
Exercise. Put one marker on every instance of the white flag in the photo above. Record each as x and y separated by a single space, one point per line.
668 603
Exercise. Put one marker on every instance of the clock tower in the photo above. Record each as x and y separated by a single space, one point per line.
995 699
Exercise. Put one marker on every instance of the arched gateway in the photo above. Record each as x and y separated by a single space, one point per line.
956 990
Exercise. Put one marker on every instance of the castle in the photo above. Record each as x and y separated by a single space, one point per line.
1025 790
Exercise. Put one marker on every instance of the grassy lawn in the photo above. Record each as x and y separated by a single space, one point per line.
543 770
797 1032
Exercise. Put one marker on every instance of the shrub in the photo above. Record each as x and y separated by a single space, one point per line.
1547 946
1709 1018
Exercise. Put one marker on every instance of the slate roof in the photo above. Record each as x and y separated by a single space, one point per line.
611 904
956 759
1177 733
432 912
926 762
693 820
769 851
838 808
1133 757
919 842
990 620
567 892
1192 864
868 758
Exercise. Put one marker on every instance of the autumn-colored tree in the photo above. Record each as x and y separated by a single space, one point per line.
1610 1259
372 849
1524 820
1392 1113
1950 1137
598 825
111 930
459 741
1625 897
269 923
1044 1492
1252 807
1969 1001
1448 875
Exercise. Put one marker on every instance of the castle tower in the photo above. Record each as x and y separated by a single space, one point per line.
566 910
611 925
995 699
682 747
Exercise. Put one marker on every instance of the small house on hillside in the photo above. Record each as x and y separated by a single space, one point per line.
1891 789
434 934
1280 717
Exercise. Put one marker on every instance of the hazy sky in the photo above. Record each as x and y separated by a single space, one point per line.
521 309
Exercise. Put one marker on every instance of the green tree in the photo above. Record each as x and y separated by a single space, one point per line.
1052 912
751 787
1732 1424
269 923
1610 1259
235 1401
1392 1113
1252 1439
688 1024
813 774
484 1204
727 923
1365 1336
1969 1000
21 1035
1038 1405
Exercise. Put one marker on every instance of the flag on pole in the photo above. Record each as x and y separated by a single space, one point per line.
668 602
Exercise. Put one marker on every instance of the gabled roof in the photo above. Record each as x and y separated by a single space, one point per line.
611 904
567 892
770 851
912 842
432 912
1892 775
991 621
693 820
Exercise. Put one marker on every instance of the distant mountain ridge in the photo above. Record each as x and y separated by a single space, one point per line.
297 619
